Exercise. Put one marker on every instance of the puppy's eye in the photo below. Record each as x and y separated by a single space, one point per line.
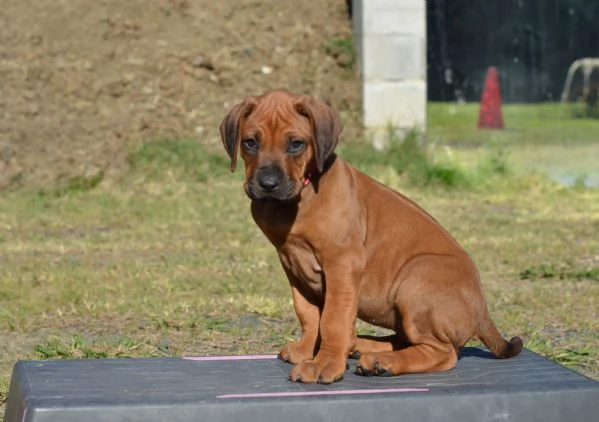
250 145
296 146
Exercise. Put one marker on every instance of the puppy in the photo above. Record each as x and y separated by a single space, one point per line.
353 248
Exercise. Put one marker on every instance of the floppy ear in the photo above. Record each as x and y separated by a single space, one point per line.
326 127
229 128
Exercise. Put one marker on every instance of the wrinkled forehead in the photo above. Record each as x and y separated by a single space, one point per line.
276 119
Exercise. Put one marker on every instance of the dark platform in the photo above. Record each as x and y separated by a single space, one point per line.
255 389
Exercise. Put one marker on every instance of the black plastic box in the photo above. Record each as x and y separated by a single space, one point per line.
256 389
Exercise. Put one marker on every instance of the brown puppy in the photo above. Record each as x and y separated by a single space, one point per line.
352 247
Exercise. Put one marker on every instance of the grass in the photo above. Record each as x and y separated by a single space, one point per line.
423 166
167 261
562 272
525 124
342 51
551 139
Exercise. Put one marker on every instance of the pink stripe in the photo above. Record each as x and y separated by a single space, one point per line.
218 358
323 393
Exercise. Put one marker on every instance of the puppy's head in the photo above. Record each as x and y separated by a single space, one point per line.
284 140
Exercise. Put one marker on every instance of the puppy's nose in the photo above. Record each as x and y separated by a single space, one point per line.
269 178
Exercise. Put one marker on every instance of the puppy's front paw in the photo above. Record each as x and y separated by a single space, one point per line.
322 369
296 352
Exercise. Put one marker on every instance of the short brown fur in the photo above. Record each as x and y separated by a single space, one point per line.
353 248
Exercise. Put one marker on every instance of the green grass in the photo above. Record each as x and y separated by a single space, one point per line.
342 51
79 347
562 271
185 158
167 261
421 165
545 138
525 124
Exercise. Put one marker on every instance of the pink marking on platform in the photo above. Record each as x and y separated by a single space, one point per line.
223 358
323 393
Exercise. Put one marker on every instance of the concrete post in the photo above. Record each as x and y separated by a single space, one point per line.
390 39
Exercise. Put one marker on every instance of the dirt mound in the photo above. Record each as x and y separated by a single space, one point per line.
83 81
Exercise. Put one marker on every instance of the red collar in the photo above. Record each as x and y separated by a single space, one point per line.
310 173
307 179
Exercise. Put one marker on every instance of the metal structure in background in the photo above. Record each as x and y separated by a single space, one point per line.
531 42
587 66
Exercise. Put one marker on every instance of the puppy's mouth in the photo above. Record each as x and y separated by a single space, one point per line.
283 193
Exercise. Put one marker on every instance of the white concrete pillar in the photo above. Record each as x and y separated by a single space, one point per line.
390 39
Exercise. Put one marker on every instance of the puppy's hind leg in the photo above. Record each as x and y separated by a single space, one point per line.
373 344
424 357
438 317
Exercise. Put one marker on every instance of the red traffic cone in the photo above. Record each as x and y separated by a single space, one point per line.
490 116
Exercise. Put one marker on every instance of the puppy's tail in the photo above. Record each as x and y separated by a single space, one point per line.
493 339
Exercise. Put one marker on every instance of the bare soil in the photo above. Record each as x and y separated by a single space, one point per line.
83 81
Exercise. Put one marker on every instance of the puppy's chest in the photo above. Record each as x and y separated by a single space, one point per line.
299 259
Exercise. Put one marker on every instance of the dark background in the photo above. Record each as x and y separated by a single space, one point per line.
531 42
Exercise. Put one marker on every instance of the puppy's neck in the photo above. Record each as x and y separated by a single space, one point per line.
313 176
